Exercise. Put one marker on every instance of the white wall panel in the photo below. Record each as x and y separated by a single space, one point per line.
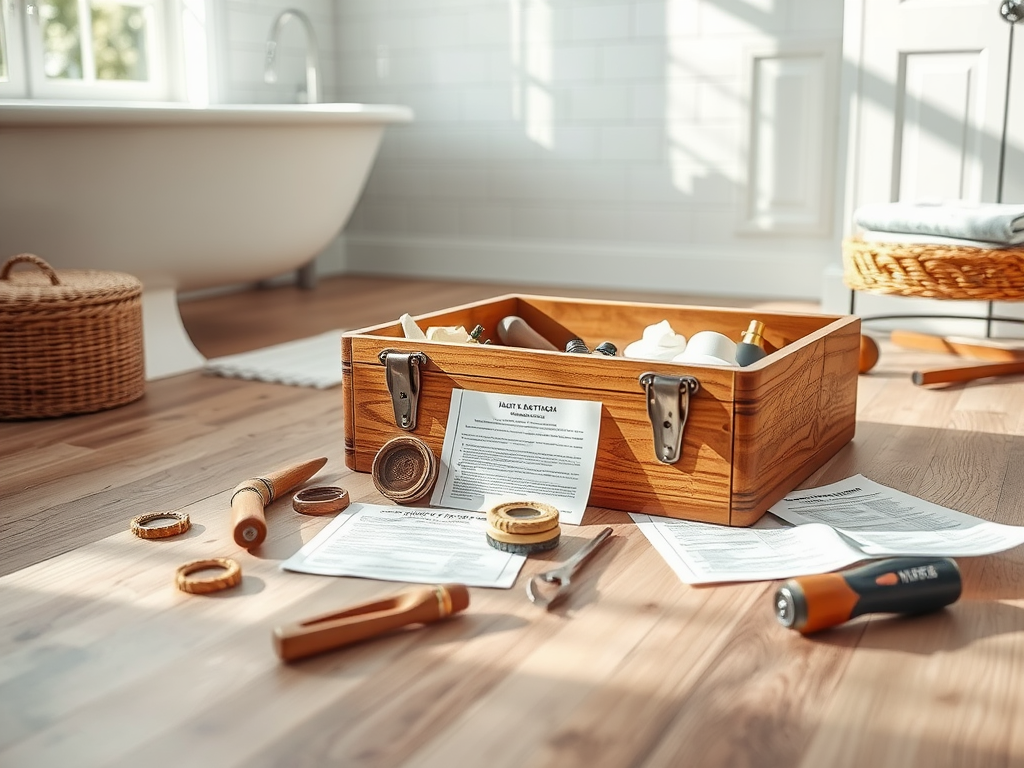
612 135
791 142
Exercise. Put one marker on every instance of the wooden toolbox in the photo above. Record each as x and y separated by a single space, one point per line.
749 435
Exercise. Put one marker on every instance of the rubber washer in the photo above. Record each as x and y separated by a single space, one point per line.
523 549
523 517
523 544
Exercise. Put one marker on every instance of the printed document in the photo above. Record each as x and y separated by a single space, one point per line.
834 526
422 546
884 522
500 448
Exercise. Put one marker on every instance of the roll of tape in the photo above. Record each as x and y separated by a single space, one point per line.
231 576
523 517
320 500
176 522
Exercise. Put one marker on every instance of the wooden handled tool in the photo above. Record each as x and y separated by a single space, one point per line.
966 373
994 350
421 605
250 497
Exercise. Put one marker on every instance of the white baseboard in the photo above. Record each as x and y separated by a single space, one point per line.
788 272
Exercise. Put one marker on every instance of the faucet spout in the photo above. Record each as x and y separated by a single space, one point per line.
312 52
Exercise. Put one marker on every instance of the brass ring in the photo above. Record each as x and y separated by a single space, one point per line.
320 500
231 577
523 517
179 523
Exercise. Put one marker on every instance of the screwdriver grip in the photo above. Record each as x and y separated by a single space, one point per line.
907 585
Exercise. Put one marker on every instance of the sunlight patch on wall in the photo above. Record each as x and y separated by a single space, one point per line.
531 58
197 66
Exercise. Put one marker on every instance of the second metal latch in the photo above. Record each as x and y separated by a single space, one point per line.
668 405
402 372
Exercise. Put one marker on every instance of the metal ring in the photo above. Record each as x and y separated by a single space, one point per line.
179 523
320 500
231 577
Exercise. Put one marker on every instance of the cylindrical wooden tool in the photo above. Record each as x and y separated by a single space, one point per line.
421 605
516 332
250 497
966 373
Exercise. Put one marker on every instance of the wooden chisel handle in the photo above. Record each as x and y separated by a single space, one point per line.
994 350
966 373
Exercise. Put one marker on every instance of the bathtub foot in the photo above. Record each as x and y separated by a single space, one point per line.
306 275
168 349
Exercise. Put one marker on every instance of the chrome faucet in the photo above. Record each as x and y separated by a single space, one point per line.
312 52
306 274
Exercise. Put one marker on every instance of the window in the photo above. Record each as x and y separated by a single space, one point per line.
85 49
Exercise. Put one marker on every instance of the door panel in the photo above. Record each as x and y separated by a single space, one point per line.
931 101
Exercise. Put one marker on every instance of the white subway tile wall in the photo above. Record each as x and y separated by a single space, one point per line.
555 127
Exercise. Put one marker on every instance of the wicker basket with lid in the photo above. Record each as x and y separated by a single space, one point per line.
70 342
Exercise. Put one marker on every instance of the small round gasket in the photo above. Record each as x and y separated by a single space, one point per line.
231 577
523 517
178 522
320 500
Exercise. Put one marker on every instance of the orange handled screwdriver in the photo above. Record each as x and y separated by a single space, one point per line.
906 585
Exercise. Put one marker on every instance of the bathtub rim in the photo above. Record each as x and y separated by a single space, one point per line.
29 112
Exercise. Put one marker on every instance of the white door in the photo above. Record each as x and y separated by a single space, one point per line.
933 85
928 111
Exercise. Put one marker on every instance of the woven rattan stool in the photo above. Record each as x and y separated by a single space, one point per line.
936 271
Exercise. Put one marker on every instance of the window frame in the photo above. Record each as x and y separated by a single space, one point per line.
27 78
11 37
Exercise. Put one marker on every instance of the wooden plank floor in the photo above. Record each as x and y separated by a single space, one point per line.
104 663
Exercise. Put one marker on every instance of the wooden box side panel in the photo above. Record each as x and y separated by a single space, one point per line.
791 417
627 476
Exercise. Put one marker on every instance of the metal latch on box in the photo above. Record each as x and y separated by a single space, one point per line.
402 370
668 405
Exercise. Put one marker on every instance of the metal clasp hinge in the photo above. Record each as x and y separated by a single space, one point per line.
668 405
402 371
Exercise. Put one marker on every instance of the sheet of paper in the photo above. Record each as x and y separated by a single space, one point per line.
703 553
501 448
423 546
884 522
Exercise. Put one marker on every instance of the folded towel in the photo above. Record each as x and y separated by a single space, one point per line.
981 222
905 238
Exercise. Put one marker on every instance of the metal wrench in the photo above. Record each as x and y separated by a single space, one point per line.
562 575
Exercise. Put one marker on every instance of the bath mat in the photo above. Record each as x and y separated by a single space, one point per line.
311 362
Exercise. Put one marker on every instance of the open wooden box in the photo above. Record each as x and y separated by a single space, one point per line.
750 435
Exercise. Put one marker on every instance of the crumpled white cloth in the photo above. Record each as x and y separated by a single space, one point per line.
979 223
659 342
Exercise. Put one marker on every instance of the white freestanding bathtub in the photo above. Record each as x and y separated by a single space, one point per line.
182 197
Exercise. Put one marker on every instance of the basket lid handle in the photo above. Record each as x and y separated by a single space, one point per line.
29 258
